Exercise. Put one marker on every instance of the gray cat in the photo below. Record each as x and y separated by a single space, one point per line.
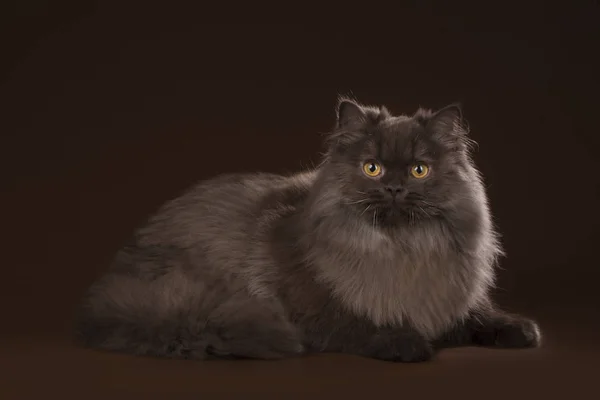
385 250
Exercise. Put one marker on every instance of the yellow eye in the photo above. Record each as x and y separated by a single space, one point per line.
419 170
372 169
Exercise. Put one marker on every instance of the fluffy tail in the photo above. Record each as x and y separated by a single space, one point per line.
177 318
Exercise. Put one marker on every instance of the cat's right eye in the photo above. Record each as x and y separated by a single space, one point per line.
372 169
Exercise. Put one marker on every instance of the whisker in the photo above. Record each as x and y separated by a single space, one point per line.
374 218
357 202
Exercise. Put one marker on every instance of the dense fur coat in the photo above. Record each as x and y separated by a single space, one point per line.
361 255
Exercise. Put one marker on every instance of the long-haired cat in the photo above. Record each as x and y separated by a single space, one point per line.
385 250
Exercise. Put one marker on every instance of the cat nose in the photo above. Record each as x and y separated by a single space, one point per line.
394 190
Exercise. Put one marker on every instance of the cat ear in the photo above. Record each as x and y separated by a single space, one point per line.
352 121
447 120
349 114
446 125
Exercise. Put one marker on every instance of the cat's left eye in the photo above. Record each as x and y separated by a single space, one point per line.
420 170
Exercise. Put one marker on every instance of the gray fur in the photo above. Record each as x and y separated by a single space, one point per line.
267 266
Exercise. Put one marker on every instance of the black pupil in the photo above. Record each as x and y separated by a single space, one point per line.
419 169
372 168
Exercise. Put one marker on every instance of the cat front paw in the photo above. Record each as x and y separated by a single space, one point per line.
509 332
519 333
400 348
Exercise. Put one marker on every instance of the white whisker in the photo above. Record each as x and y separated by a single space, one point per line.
425 212
357 202
374 218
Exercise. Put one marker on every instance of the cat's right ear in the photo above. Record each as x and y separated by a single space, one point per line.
349 114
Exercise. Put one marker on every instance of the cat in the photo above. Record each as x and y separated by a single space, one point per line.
386 250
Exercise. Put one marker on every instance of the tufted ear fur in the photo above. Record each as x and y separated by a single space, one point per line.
446 125
350 114
352 120
448 119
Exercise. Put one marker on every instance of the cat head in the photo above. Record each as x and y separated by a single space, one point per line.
390 169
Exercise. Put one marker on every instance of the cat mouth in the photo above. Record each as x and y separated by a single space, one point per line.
397 205
395 211
390 213
391 210
389 206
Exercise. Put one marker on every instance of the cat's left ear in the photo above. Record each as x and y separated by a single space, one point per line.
447 120
446 124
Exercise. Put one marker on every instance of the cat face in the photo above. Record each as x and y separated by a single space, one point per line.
391 170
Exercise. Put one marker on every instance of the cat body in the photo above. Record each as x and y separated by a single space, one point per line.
337 259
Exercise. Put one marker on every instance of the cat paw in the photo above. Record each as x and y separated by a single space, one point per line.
518 333
405 348
256 341
508 332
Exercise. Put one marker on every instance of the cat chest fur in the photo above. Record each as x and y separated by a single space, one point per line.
425 284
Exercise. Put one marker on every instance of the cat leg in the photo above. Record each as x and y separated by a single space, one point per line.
494 328
397 345
176 317
247 327
499 329
337 331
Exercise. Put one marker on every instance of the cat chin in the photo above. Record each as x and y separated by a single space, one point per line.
395 217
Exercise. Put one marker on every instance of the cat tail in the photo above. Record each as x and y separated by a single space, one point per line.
175 317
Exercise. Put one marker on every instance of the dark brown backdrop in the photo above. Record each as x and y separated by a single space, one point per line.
108 111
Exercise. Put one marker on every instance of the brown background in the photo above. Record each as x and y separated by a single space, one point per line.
108 111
